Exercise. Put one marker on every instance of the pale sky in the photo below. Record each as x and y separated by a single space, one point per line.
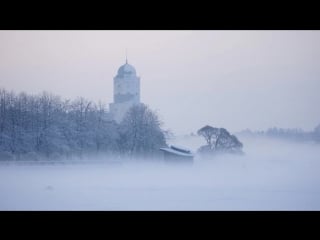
231 79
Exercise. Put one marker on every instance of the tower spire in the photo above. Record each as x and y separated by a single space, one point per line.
126 56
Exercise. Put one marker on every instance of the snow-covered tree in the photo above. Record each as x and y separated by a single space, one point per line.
48 126
140 132
44 125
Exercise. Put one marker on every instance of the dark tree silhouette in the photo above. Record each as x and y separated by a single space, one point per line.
209 133
219 140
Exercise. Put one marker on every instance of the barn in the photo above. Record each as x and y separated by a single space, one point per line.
174 154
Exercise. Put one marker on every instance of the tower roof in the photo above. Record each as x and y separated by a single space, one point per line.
126 69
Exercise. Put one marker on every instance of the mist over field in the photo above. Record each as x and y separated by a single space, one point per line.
272 175
159 120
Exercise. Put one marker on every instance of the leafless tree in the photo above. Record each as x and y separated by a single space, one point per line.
219 140
141 131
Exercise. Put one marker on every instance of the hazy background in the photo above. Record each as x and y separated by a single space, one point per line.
231 79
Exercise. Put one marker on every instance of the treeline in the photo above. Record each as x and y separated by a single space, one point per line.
294 134
46 126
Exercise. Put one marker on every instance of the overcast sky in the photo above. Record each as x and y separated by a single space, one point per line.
231 79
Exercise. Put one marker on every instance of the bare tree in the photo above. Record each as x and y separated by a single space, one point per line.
210 134
140 131
219 140
227 142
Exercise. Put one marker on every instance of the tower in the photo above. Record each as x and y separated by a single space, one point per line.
126 91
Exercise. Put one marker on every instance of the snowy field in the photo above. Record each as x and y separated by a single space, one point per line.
273 175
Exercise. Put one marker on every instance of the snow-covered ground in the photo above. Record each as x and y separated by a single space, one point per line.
273 175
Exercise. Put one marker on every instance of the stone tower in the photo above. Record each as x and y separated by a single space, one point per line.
126 91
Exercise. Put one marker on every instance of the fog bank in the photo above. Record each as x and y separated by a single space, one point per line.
272 175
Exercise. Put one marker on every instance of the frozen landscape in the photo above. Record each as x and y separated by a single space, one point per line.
272 175
79 110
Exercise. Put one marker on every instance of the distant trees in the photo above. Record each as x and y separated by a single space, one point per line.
219 140
294 133
44 125
316 133
140 132
291 134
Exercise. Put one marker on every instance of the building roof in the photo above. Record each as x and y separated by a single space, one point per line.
178 151
126 69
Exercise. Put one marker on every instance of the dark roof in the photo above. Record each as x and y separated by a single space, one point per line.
178 151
